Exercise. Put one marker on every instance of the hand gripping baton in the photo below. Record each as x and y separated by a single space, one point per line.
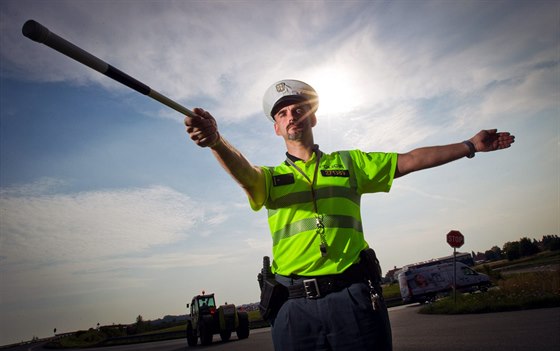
41 34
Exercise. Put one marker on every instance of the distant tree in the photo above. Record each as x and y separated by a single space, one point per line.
494 254
497 251
490 255
511 250
528 247
551 242
141 325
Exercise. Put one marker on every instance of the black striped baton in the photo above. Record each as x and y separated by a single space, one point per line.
41 34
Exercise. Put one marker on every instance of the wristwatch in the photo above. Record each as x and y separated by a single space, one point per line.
472 150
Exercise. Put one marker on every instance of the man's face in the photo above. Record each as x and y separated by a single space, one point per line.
293 121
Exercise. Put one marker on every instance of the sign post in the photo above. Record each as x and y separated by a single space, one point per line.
455 239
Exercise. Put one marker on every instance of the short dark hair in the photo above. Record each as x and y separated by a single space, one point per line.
289 100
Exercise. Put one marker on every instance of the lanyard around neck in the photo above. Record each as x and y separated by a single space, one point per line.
312 182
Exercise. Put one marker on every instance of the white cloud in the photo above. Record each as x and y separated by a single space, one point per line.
80 244
193 53
438 197
534 91
40 187
87 225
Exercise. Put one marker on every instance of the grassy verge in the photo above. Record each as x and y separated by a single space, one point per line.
256 321
178 328
79 339
513 292
542 258
391 291
392 295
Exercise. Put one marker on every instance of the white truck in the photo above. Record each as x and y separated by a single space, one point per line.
425 282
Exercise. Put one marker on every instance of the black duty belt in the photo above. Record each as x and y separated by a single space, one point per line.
316 287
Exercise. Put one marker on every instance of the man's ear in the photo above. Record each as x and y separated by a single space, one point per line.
276 129
313 120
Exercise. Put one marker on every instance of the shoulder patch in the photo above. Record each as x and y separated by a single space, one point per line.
283 179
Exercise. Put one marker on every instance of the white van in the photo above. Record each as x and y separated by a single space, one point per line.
424 283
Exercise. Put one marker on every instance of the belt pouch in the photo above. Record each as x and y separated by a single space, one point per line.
273 296
370 265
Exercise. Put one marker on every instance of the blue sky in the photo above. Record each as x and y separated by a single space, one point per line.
108 210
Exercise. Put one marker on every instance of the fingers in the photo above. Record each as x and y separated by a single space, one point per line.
504 140
491 139
202 128
198 124
202 118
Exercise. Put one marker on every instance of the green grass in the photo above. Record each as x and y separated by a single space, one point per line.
542 258
79 339
254 316
391 291
514 292
182 327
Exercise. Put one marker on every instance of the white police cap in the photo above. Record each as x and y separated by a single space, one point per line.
286 92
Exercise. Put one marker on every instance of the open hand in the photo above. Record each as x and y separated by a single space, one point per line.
492 140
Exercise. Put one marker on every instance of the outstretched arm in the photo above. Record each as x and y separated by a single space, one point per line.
203 130
427 157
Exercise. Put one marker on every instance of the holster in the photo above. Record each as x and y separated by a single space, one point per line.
371 267
273 294
372 272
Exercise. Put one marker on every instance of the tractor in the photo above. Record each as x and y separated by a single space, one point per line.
206 319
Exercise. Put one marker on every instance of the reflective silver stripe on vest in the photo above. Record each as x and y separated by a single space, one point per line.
305 197
330 221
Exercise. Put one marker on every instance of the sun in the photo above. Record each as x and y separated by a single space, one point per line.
336 89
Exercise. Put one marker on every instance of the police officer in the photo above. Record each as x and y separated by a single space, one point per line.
313 203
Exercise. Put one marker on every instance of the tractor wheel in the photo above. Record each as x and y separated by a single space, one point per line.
243 328
205 332
225 335
192 338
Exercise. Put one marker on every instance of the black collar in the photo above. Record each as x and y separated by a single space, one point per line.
295 158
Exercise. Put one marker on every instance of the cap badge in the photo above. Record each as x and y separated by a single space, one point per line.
280 87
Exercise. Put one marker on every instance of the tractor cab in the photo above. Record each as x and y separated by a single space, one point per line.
206 304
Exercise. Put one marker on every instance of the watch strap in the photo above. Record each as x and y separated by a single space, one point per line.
472 149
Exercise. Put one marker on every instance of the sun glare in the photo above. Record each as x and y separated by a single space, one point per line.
337 91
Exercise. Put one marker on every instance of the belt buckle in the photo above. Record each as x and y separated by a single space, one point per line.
311 288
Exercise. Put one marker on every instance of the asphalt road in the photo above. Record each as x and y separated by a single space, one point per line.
521 330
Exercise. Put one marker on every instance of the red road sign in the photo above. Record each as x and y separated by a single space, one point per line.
455 239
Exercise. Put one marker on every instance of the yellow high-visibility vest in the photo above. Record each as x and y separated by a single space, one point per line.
342 177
